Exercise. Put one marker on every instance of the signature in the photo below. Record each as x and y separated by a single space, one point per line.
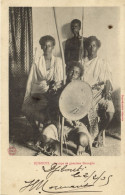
77 180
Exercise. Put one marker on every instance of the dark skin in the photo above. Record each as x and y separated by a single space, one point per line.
47 50
75 28
92 50
92 53
73 74
105 117
73 47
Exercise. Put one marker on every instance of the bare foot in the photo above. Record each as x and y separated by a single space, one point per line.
57 148
98 143
80 150
52 147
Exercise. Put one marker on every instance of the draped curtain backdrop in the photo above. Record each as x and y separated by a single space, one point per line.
20 55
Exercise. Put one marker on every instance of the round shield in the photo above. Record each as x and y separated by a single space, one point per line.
75 100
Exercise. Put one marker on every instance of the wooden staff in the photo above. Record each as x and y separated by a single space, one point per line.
64 80
82 48
60 45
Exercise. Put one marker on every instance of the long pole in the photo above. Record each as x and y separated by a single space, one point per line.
64 80
60 45
82 34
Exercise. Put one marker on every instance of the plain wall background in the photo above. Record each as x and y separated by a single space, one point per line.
96 22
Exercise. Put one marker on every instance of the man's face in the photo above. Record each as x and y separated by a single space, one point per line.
75 28
48 47
74 74
92 49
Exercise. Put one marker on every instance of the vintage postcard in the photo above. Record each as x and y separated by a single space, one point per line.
62 100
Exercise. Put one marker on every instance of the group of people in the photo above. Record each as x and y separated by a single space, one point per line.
45 84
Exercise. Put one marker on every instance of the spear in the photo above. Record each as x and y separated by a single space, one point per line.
64 80
81 51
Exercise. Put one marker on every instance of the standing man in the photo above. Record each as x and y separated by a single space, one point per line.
74 49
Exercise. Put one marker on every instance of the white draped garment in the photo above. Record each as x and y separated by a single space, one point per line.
39 73
96 70
38 77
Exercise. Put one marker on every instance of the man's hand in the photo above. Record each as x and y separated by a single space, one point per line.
107 90
55 87
69 122
43 86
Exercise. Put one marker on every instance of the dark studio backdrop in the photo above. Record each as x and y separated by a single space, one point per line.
20 55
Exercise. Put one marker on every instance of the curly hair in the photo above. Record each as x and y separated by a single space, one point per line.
90 39
76 21
46 38
75 64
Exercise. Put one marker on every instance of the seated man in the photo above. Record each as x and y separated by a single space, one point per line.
96 70
46 72
73 130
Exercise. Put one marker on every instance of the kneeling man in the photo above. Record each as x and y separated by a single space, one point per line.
73 130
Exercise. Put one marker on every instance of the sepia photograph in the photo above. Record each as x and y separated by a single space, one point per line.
64 81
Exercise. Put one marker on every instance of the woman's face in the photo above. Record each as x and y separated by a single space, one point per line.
92 49
48 47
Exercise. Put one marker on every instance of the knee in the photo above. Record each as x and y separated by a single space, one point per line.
83 139
50 132
110 116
